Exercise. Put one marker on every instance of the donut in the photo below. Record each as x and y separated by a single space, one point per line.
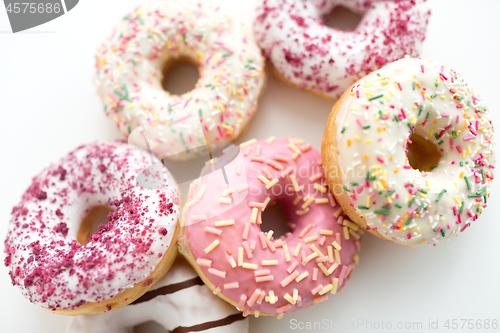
179 302
308 55
132 62
58 269
222 238
408 152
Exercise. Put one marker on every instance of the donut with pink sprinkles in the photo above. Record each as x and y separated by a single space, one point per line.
309 55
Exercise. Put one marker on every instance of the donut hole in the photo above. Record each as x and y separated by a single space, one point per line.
422 153
342 18
149 327
180 76
96 216
275 218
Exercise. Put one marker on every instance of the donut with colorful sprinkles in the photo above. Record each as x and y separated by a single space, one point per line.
408 152
222 235
309 55
57 262
132 62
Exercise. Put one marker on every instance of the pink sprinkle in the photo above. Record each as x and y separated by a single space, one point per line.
445 115
286 281
254 204
469 138
267 173
286 172
224 47
283 308
274 164
359 122
264 278
342 274
262 240
458 118
257 159
315 274
399 85
254 297
303 257
233 285
292 267
439 229
406 167
269 244
459 106
380 160
422 67
317 289
246 230
357 93
241 303
216 272
261 297
315 177
305 231
321 259
407 235
181 118
459 149
403 113
262 272
204 262
247 249
213 231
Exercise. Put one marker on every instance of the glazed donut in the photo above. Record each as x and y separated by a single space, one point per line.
222 238
118 263
179 302
305 53
431 112
132 62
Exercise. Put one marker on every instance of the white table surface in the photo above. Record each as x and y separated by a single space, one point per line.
48 106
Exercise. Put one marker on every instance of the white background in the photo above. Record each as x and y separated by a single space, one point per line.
49 106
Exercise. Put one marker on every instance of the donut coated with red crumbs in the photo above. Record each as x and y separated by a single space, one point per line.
43 256
326 61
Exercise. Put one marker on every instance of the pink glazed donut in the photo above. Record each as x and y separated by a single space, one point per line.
55 267
222 238
309 55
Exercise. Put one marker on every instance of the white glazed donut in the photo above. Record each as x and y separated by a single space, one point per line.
416 106
325 61
131 64
117 264
179 302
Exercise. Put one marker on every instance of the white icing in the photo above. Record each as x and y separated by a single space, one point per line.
224 98
383 134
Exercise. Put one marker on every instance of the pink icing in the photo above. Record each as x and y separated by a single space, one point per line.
43 257
202 216
303 50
